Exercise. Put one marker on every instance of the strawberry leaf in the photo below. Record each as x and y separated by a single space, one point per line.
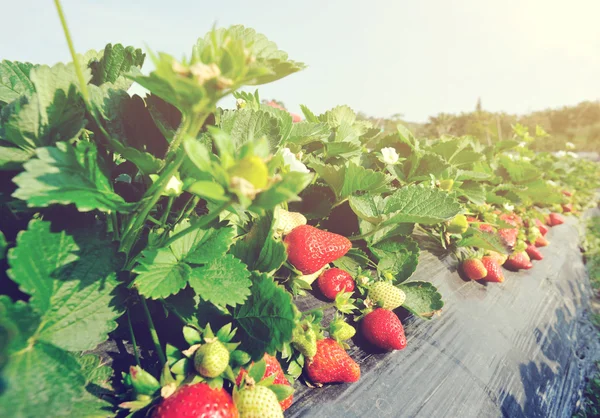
66 174
258 249
223 281
519 171
56 375
73 285
354 261
113 62
287 189
266 320
160 274
14 80
417 204
422 298
247 125
398 255
474 237
202 245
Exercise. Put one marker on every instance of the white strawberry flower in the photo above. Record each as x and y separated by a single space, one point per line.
552 183
572 154
389 155
508 207
293 162
570 145
174 186
522 144
526 159
560 154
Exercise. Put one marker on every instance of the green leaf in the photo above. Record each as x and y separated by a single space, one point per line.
398 255
473 191
55 374
96 374
354 261
201 245
422 299
14 80
266 320
519 171
160 274
258 249
247 125
224 281
303 133
284 190
417 204
65 174
115 61
268 63
12 158
474 237
350 178
3 245
37 255
73 285
338 116
368 207
540 192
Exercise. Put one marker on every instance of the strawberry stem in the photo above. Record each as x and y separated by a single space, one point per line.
133 341
153 333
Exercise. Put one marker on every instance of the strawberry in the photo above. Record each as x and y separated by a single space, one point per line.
472 219
567 193
333 281
555 219
197 400
446 184
500 258
567 208
287 221
543 228
295 117
273 368
310 248
494 272
541 242
518 261
509 236
474 269
211 359
304 339
534 253
331 364
386 295
340 330
255 401
384 329
486 228
512 219
458 225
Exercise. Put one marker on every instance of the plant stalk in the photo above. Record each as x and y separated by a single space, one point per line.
153 333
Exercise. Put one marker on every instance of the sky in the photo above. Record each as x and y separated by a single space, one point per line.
382 57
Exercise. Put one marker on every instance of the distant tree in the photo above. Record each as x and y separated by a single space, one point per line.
478 107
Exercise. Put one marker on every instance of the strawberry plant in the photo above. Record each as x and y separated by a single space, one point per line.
194 230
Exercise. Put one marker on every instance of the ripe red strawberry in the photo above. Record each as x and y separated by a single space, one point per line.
534 253
494 271
331 364
197 400
555 219
472 219
567 208
273 368
486 228
474 269
543 228
295 117
384 329
567 193
518 261
333 281
541 242
512 218
509 236
309 248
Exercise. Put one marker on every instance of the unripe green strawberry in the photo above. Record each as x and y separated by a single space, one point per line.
252 169
446 184
386 295
211 359
256 401
304 339
287 221
340 330
458 225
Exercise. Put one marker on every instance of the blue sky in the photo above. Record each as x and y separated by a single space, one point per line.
382 57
